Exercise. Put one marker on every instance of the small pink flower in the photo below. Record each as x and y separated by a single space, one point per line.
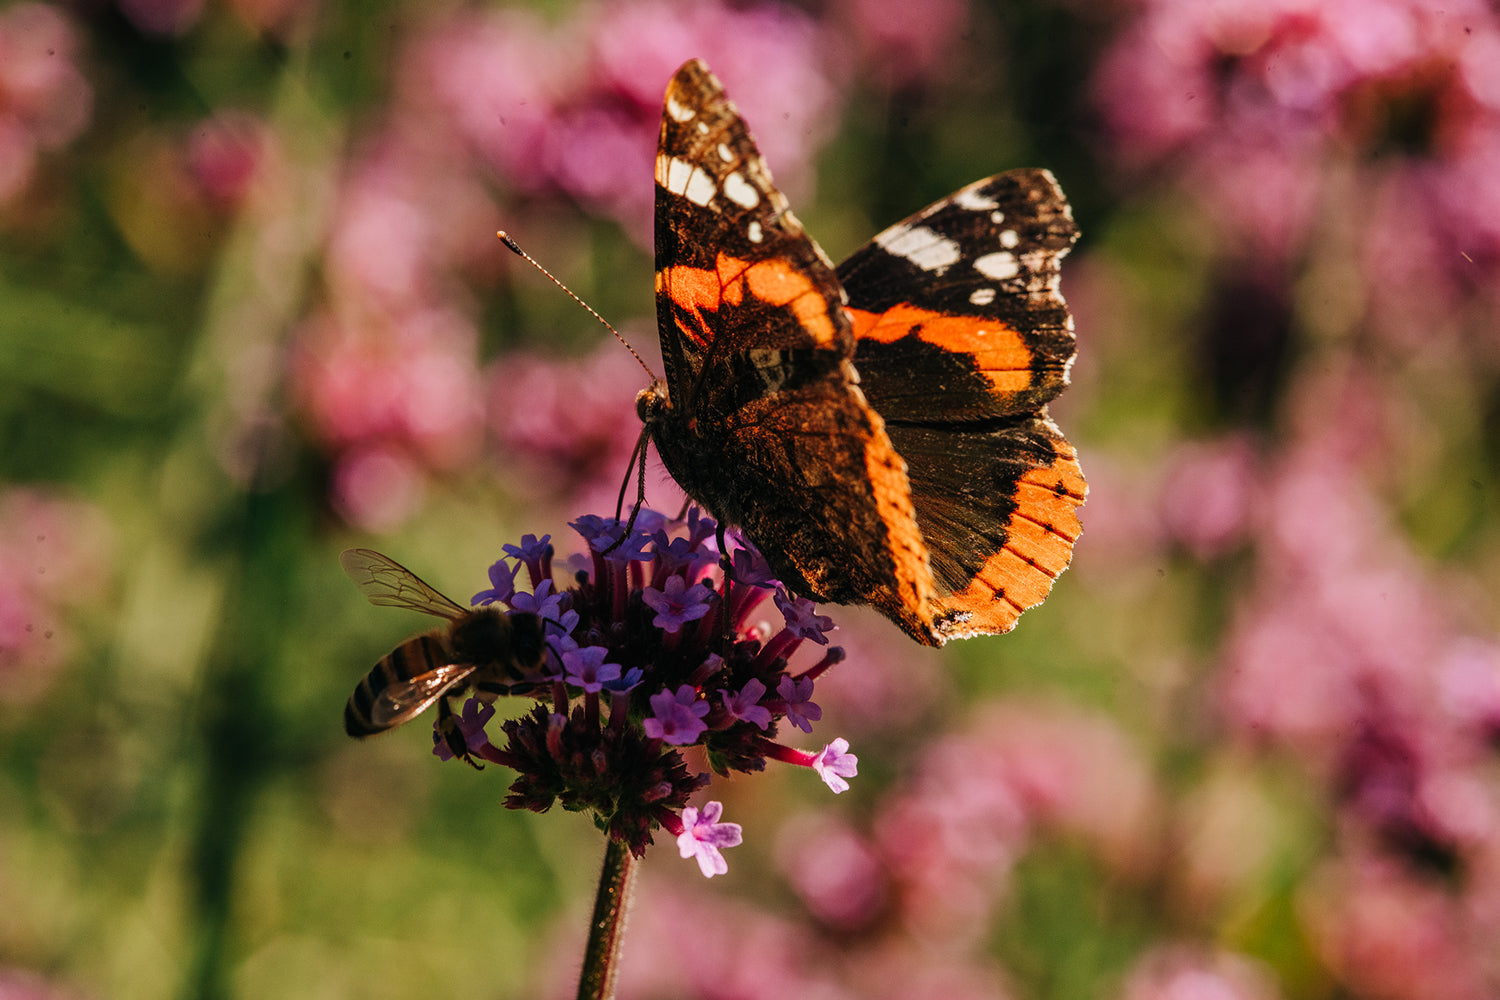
586 668
677 718
835 763
801 710
746 705
703 837
676 603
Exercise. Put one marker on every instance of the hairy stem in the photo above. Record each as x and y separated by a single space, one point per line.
601 959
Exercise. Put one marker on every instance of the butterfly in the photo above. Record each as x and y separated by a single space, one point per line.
878 429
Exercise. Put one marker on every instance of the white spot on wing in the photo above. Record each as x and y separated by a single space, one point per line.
971 199
997 217
999 265
682 177
752 231
982 296
741 191
1009 238
921 246
725 153
679 112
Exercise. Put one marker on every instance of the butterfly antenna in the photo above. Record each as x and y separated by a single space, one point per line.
516 248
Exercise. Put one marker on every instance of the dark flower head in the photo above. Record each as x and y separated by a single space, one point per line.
643 660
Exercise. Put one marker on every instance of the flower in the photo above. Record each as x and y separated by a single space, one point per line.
512 93
703 835
535 554
502 584
45 102
800 710
677 604
677 718
1277 116
746 705
835 763
470 723
642 661
800 618
586 668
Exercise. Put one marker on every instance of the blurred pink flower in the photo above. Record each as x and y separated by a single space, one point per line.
902 44
45 102
836 871
1385 933
544 117
1397 784
376 487
403 221
950 836
688 943
226 154
1339 604
1208 494
1187 972
392 406
162 17
566 428
1279 115
23 984
1469 679
54 557
416 385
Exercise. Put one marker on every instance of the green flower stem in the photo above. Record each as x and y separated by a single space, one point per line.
601 959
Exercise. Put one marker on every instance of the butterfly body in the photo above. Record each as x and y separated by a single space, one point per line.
878 429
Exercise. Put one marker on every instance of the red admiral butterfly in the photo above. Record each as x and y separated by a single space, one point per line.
880 429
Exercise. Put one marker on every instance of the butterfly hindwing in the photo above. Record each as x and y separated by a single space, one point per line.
963 338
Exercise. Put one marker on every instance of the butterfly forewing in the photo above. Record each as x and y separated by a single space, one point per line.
762 414
735 271
964 295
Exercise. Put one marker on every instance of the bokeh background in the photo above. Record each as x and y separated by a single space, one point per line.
252 311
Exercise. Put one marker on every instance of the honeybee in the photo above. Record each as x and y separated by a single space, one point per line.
480 647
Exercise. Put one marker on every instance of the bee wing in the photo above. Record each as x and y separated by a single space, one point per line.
405 700
390 584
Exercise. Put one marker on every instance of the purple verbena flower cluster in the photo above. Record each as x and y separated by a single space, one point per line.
645 659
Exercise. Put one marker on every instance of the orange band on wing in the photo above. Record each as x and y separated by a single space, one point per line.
914 590
772 281
1039 546
998 351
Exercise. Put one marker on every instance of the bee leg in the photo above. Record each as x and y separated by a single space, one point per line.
447 727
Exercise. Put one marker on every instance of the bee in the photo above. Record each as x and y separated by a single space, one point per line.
480 647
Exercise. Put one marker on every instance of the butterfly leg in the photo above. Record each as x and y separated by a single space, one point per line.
727 565
637 461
